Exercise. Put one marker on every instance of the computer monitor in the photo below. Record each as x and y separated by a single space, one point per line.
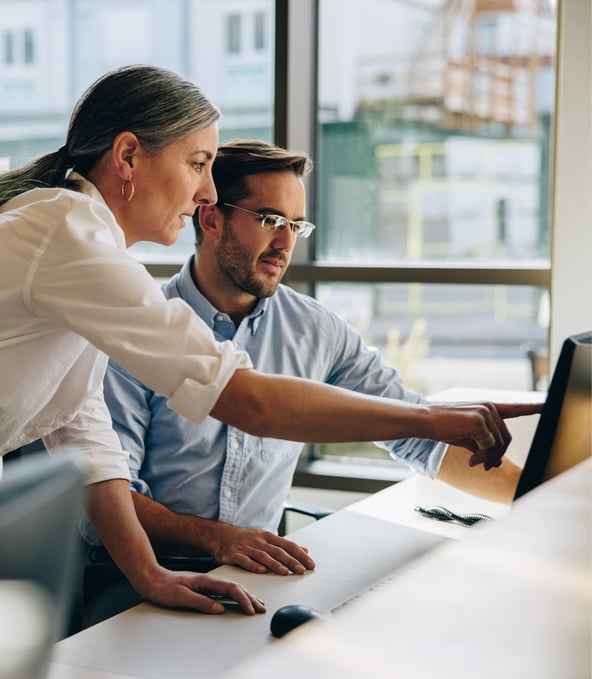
563 436
40 507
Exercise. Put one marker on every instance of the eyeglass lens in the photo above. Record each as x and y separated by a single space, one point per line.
300 228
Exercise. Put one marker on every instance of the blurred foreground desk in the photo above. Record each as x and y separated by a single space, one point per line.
513 601
354 552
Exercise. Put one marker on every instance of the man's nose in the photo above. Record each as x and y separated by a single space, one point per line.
286 237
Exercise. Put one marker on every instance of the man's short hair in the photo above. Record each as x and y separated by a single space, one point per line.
241 158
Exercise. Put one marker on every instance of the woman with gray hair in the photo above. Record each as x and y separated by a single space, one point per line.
136 162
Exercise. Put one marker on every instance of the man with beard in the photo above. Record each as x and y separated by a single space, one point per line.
212 489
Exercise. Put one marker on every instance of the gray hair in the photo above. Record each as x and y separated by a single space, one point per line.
157 105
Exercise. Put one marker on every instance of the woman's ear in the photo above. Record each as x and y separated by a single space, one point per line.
126 149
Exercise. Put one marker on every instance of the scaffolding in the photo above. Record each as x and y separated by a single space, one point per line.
479 65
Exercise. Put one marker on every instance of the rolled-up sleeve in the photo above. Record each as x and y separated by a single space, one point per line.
362 369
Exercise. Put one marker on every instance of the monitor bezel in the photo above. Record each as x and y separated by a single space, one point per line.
533 473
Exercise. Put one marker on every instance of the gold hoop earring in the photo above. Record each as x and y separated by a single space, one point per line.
132 191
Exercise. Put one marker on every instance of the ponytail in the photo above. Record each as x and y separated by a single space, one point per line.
48 170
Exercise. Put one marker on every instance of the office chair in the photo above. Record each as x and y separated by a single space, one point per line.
315 511
538 361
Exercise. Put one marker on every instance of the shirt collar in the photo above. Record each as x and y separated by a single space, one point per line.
87 187
90 190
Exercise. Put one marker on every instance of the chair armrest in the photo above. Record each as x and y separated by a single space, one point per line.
316 511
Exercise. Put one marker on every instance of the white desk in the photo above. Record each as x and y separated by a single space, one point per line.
397 503
352 552
513 601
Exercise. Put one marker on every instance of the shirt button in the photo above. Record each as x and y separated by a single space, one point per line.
234 444
227 493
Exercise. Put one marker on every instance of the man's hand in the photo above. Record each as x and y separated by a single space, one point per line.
181 589
255 550
259 551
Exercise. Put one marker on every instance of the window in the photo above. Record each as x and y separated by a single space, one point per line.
233 33
8 48
81 40
28 47
260 41
429 155
429 124
432 126
18 47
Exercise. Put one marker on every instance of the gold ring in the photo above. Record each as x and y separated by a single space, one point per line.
486 443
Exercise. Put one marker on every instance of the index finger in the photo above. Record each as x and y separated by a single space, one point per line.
509 410
226 589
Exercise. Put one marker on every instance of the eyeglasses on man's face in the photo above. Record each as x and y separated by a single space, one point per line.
299 228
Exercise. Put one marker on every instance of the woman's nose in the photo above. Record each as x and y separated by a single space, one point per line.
206 193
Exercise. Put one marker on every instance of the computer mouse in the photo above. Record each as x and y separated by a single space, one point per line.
291 616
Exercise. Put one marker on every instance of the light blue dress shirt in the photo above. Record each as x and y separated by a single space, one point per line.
219 472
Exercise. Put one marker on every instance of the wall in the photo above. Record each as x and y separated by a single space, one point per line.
571 302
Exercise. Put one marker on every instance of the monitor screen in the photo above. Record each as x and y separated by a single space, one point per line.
564 433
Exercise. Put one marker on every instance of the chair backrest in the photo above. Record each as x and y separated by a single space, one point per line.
40 507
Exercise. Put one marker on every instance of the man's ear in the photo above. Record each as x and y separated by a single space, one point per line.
126 149
210 220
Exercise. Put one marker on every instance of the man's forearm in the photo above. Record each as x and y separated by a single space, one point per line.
174 533
260 551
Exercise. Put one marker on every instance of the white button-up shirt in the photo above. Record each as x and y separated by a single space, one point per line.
69 294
